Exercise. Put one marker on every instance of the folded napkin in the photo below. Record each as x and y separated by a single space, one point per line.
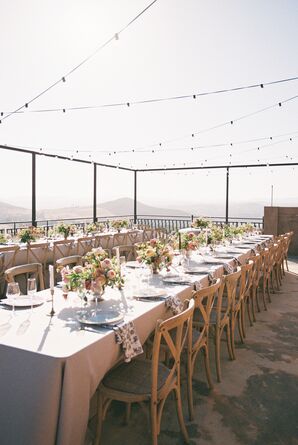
211 278
236 261
126 336
197 285
228 268
175 304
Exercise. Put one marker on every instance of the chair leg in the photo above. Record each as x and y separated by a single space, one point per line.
189 387
127 412
207 366
154 426
263 295
286 258
180 414
257 300
249 306
240 326
232 331
268 291
217 354
229 342
99 418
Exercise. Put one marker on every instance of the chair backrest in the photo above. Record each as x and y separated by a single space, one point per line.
85 244
25 270
38 253
148 234
227 289
128 251
134 236
256 274
104 241
120 239
246 279
62 248
204 299
265 258
172 332
72 260
10 253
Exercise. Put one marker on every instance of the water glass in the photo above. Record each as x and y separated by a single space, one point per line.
31 289
12 292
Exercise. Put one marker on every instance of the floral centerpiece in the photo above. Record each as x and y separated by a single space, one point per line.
189 241
119 224
156 254
3 238
200 223
29 234
216 234
248 228
65 229
97 273
94 227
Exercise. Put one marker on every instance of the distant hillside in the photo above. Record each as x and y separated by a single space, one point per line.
124 206
9 212
118 207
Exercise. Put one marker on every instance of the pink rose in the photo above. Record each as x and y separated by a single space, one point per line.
111 274
106 263
153 242
77 269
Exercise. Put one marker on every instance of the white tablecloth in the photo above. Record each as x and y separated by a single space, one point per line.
50 368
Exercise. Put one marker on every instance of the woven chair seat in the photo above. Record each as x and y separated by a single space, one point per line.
135 377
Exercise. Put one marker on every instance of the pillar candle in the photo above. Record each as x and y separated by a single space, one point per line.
51 274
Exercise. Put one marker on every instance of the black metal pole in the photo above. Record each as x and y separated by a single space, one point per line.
34 189
94 192
227 195
135 198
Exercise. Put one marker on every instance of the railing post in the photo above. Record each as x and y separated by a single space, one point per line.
227 195
34 189
94 192
135 198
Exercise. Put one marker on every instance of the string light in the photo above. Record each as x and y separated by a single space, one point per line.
148 101
90 56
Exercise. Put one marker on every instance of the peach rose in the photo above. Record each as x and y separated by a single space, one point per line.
106 264
111 274
77 269
150 252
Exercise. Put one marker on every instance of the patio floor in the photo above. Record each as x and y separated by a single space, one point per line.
257 401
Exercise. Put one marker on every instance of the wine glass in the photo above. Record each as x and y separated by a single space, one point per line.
13 291
31 289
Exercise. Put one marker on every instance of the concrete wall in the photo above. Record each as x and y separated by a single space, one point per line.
278 220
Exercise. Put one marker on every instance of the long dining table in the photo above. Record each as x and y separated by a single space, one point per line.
51 366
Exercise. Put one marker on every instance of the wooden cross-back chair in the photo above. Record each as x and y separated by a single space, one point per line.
128 251
242 302
220 317
133 236
265 276
144 380
256 276
8 259
148 234
85 244
199 336
289 236
61 249
10 253
25 270
120 239
38 253
104 241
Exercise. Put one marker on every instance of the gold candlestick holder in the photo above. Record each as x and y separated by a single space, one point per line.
52 313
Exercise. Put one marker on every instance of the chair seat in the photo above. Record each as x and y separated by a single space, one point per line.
135 377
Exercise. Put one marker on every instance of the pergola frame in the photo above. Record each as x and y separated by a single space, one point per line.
135 173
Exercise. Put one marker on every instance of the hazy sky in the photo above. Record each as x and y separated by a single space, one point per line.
177 47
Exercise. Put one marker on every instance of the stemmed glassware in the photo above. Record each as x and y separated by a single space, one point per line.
31 289
12 292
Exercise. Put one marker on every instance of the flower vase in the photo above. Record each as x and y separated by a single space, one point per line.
154 269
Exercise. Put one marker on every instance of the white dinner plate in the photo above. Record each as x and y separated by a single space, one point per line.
150 293
197 270
23 301
99 317
133 264
177 280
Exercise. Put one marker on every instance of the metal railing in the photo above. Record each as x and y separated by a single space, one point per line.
168 223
